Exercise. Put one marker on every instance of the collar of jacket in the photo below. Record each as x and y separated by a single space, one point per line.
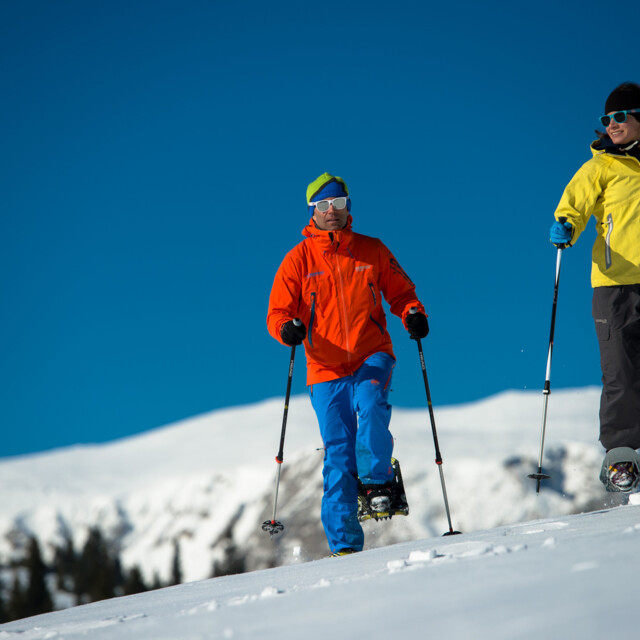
606 145
329 239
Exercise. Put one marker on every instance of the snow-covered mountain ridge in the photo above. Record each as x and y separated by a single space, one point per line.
207 481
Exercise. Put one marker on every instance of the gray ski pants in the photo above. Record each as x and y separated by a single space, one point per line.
616 312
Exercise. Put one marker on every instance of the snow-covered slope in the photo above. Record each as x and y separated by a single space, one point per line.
567 577
207 481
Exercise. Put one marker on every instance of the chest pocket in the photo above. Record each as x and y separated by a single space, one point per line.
365 274
376 314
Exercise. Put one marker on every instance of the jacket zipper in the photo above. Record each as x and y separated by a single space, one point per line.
375 303
607 242
373 293
343 304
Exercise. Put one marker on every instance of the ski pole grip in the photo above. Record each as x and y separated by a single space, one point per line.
562 220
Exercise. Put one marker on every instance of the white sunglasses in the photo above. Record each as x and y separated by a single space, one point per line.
323 205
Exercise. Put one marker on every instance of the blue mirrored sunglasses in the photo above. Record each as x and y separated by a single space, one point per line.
618 116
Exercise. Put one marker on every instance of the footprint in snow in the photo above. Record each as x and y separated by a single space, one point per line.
547 526
205 606
450 552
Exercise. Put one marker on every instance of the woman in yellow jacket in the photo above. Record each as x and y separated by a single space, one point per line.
608 188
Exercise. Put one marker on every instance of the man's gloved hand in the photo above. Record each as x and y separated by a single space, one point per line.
561 233
417 325
293 334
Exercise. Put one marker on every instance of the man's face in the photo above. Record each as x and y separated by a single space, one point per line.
333 219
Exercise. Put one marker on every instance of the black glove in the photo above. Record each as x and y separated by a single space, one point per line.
292 334
417 325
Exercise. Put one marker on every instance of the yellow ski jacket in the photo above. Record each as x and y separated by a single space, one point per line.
607 187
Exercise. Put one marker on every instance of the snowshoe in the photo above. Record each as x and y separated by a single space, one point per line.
383 501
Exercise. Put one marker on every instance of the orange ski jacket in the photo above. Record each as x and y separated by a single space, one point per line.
334 282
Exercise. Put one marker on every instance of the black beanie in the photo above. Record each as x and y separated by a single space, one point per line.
624 97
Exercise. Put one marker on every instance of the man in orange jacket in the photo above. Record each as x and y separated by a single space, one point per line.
333 282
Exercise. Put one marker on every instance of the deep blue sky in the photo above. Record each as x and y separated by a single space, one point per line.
154 167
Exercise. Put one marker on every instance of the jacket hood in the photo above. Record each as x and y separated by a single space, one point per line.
606 145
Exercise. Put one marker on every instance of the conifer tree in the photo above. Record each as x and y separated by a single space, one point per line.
232 562
134 582
64 564
4 615
16 606
176 565
157 583
37 598
95 576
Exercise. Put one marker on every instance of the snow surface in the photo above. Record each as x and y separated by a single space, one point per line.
569 577
208 481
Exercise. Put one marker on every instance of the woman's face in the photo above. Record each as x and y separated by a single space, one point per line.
624 132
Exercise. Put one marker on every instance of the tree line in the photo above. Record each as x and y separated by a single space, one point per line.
29 586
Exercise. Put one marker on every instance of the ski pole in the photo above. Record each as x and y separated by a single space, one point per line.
273 526
451 532
539 476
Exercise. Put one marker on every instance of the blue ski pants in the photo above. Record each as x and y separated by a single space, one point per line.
354 415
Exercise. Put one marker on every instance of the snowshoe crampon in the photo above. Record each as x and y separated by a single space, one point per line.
381 502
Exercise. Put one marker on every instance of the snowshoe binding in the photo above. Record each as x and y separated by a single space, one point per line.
622 475
383 501
621 470
343 552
